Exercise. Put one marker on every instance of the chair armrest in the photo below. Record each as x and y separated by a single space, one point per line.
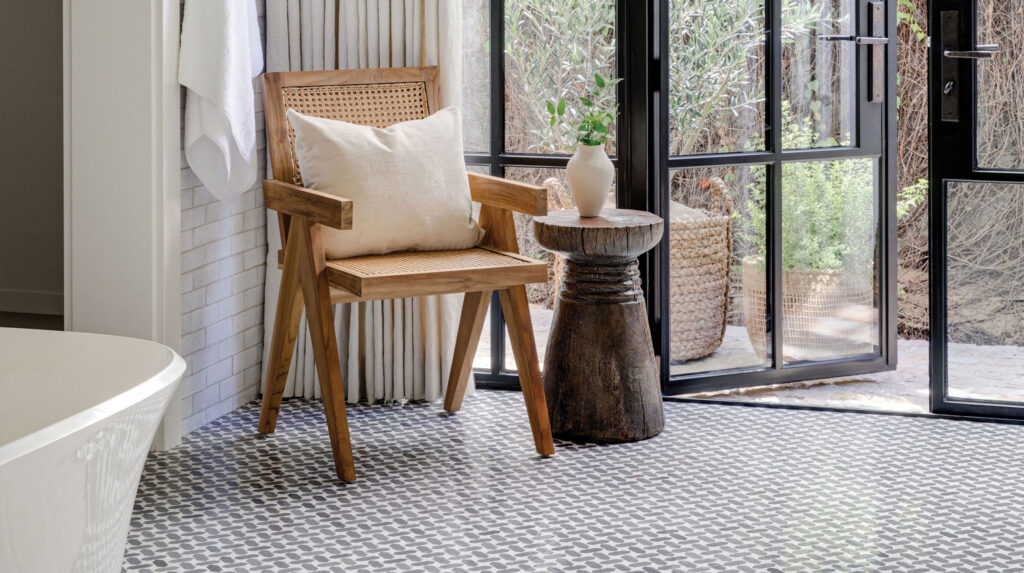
512 195
314 206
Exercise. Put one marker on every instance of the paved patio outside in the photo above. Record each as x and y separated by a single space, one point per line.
981 372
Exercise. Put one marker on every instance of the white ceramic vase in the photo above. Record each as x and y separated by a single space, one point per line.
590 179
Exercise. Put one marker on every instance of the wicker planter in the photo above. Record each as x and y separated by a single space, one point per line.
700 252
825 314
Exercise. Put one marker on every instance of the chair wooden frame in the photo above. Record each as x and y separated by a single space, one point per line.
312 282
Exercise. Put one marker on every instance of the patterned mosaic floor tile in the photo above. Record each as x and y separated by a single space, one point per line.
724 488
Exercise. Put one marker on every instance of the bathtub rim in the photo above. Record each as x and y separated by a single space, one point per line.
169 375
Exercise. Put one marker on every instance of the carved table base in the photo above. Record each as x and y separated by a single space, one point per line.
600 372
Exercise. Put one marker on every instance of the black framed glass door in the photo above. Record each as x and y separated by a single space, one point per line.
977 188
784 107
790 106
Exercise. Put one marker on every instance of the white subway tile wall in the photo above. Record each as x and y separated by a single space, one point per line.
223 267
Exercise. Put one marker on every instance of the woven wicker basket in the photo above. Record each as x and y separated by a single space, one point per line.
700 253
825 314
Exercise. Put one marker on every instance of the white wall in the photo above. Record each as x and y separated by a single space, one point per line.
31 141
120 183
150 254
223 264
121 149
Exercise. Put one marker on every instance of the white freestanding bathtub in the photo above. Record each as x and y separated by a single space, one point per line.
78 413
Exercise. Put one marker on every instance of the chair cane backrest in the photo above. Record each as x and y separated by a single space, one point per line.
374 97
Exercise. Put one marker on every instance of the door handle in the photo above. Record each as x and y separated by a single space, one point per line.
861 40
876 43
871 41
949 44
982 52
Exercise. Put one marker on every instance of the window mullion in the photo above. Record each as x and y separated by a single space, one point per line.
497 147
773 97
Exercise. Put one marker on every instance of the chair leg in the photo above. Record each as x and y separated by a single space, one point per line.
524 347
282 345
474 311
320 315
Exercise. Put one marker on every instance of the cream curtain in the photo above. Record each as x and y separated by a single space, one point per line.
395 349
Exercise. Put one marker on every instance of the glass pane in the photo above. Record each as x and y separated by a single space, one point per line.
483 170
553 50
985 291
718 308
819 92
829 254
476 74
716 76
1000 86
482 358
542 296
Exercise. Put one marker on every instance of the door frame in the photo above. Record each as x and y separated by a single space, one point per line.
948 163
122 198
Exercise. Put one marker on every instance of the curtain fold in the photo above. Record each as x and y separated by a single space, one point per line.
395 349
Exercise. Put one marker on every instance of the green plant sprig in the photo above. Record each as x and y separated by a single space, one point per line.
828 211
592 121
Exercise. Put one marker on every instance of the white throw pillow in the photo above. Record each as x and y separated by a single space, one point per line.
408 183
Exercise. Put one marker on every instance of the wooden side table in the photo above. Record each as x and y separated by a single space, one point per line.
600 372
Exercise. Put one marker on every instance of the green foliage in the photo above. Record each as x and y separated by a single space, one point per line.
590 123
554 47
906 16
910 197
717 58
828 209
713 45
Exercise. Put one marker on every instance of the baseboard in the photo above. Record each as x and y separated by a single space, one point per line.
31 301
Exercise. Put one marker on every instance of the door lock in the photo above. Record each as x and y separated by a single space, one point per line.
949 36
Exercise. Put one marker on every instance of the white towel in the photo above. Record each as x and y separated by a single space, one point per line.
220 55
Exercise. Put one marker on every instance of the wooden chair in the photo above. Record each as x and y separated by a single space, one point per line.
382 97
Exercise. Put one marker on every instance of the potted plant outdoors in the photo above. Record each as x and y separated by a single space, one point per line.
828 253
590 171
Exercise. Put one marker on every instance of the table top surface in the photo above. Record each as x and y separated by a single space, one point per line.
609 219
616 234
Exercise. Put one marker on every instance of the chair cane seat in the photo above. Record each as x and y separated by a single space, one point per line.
395 275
